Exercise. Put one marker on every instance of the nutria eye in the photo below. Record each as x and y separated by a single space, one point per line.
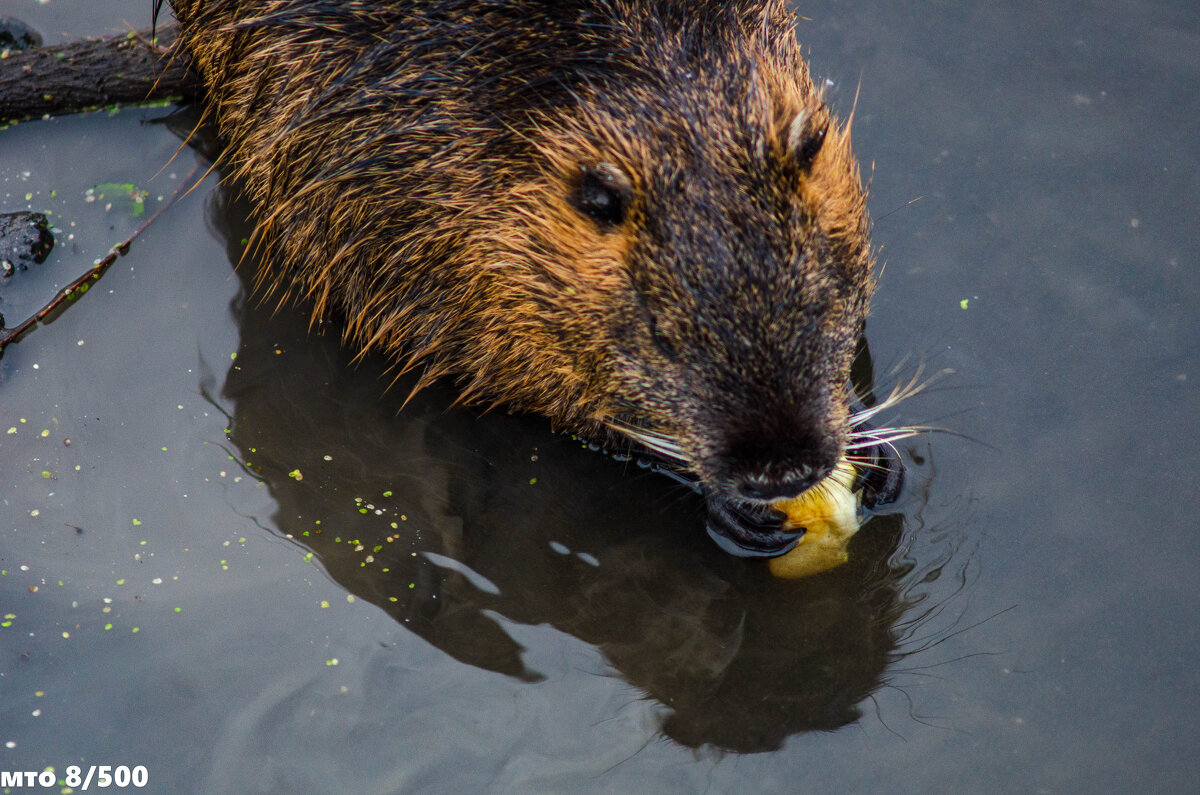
805 137
665 346
604 195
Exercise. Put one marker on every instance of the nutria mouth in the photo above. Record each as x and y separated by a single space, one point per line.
756 530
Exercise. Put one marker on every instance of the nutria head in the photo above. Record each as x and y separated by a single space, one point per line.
734 274
636 220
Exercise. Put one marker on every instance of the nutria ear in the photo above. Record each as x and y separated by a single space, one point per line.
806 134
604 194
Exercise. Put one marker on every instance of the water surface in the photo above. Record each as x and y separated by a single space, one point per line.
249 571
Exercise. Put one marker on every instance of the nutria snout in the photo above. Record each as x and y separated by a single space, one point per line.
637 218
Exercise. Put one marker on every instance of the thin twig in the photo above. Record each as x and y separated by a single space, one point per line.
80 285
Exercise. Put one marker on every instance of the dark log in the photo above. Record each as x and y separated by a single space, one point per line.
25 239
16 35
93 73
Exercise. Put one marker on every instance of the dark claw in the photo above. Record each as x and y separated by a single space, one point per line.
881 480
749 531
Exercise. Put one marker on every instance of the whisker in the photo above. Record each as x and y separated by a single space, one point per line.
900 392
878 436
859 462
656 442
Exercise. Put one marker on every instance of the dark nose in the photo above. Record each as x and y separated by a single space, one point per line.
778 469
768 485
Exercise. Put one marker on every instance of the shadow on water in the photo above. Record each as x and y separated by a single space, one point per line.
449 520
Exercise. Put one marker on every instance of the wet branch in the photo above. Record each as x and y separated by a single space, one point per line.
93 73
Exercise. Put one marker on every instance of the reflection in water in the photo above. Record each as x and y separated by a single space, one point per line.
445 518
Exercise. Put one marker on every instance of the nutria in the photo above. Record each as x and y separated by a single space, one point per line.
636 217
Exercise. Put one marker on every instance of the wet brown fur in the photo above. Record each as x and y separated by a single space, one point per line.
417 169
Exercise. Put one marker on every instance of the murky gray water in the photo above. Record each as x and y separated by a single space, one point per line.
255 574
